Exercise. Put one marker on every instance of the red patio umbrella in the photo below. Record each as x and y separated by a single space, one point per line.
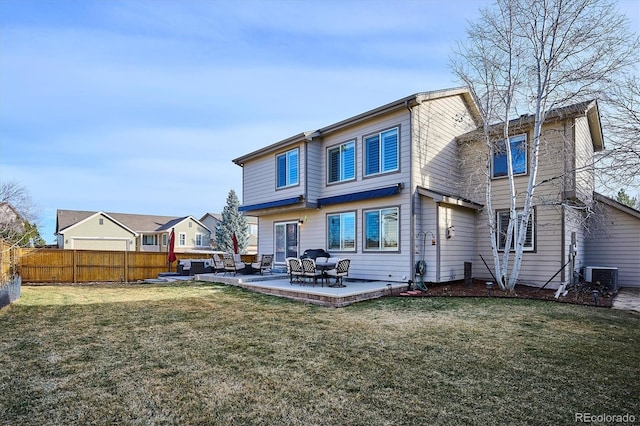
171 256
235 243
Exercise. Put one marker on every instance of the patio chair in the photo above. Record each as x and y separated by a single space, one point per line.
231 265
217 264
310 270
340 271
294 269
264 263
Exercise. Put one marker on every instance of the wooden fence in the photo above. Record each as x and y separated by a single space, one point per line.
8 261
78 266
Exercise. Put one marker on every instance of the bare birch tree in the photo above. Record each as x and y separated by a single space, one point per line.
619 165
534 56
18 215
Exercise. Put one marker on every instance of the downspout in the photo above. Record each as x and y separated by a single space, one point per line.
438 240
415 199
563 218
306 170
563 242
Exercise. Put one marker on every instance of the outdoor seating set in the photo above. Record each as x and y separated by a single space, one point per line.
317 264
232 263
195 266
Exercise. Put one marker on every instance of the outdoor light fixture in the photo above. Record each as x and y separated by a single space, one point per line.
451 232
489 287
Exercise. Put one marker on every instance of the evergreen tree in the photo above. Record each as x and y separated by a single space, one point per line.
625 199
232 222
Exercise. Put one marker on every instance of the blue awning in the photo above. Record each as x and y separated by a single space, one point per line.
271 204
358 196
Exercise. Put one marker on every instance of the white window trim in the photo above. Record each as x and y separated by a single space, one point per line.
520 212
182 239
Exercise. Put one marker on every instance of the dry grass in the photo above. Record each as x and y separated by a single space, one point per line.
208 354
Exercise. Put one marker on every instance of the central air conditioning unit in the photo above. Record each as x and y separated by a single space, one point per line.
606 276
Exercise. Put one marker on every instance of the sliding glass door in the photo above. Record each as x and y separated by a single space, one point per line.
286 241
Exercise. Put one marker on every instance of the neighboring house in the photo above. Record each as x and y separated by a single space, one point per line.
380 187
211 221
86 230
11 222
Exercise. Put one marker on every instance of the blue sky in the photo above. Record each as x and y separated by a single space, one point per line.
140 106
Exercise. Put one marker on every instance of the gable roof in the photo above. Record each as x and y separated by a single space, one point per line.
406 102
589 109
616 205
136 223
215 216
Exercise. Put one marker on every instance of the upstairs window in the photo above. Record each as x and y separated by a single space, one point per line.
381 229
199 240
518 146
503 227
341 162
182 239
341 231
287 168
381 152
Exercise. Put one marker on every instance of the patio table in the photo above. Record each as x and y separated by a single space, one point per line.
323 267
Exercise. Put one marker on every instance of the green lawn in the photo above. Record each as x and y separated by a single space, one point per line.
210 354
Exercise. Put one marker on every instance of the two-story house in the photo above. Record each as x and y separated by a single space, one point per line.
405 182
87 230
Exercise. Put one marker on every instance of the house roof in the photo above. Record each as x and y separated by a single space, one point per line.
587 108
617 205
136 223
216 216
406 102
8 213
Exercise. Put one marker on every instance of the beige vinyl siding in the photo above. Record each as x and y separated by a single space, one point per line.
458 249
574 222
393 266
358 132
91 235
538 266
98 243
585 184
190 231
426 230
436 123
259 178
614 241
266 231
314 167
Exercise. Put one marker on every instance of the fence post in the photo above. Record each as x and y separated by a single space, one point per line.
126 266
75 265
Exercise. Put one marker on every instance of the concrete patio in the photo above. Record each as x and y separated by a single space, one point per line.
278 284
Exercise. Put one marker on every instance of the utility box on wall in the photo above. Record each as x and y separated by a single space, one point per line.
606 276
